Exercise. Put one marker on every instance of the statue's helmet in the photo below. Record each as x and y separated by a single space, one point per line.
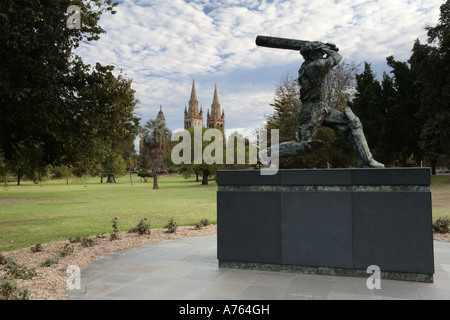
310 48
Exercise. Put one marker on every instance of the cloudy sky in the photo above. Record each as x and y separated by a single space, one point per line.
164 44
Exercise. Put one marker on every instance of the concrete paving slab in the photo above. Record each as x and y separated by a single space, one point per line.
187 269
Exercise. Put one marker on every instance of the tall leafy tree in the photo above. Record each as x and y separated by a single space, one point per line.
431 63
156 138
369 107
200 166
401 96
51 104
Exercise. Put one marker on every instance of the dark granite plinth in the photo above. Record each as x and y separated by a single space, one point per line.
330 219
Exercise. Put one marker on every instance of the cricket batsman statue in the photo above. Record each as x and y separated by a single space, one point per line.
319 58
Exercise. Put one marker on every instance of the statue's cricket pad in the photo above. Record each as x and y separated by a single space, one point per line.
330 221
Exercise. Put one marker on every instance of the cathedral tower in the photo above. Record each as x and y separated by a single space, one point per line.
161 115
192 116
216 119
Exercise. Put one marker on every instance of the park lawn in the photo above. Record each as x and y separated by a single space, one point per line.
53 211
440 190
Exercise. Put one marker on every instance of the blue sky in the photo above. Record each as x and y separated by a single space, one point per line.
164 44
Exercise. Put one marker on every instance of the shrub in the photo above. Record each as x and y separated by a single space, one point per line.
204 222
3 259
87 242
441 225
171 226
17 271
142 228
198 226
67 251
49 262
76 239
115 234
9 290
37 248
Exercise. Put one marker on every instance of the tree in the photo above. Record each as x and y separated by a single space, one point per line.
45 105
431 63
211 144
156 137
401 96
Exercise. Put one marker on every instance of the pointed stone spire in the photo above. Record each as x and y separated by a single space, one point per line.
216 96
215 107
193 117
161 115
193 102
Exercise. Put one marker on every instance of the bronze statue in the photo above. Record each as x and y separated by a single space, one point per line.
320 58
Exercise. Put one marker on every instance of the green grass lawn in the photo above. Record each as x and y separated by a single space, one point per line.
31 214
52 211
440 190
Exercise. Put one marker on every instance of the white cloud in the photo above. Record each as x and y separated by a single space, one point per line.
162 45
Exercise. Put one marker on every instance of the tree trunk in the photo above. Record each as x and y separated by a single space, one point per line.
18 180
196 175
101 179
111 179
433 166
155 180
205 177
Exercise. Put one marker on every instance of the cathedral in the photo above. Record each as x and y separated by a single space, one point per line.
193 116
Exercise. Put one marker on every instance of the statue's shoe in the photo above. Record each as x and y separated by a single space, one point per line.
373 164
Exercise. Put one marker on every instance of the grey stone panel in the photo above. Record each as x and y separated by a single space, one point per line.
317 177
393 231
246 177
249 226
391 176
315 230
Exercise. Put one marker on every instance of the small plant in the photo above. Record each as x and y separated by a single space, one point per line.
9 290
37 248
115 234
142 228
205 222
441 225
17 271
198 226
76 239
50 261
171 226
3 259
67 250
87 242
100 236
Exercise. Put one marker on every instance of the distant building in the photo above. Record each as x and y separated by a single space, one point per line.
193 116
161 115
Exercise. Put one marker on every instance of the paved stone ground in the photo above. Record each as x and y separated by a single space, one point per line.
188 269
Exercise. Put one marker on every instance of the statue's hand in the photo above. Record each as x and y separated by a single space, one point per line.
332 46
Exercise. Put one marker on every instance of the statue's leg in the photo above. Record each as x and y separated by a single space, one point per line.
351 124
310 118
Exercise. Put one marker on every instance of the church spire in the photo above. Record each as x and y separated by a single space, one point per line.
193 117
193 102
216 118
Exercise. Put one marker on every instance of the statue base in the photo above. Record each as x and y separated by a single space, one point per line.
330 221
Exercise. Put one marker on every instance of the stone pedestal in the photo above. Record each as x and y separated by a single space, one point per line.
330 221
